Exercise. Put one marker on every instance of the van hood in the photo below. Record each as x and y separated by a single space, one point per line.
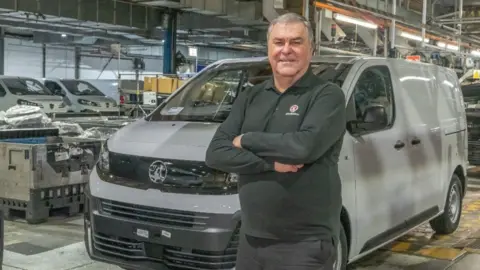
164 140
41 98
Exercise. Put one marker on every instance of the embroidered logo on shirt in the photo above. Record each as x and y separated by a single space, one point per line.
293 110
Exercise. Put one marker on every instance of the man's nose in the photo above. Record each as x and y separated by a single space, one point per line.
286 48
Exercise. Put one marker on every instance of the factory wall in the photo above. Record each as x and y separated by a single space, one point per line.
24 58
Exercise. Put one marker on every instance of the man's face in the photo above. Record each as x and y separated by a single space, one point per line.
289 50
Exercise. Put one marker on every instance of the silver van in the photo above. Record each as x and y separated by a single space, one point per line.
82 96
152 203
28 91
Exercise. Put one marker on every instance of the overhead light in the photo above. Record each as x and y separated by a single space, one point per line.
192 51
347 19
413 37
448 46
64 35
476 53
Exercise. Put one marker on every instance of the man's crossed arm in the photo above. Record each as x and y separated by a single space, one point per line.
244 154
222 155
323 125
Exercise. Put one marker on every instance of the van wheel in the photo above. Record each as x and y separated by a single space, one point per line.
448 222
342 251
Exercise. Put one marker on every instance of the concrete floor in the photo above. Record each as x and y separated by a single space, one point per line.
58 245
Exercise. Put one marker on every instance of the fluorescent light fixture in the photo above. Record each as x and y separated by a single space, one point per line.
192 51
475 52
413 37
347 19
448 46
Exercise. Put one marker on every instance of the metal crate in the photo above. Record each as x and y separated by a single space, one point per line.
44 173
473 123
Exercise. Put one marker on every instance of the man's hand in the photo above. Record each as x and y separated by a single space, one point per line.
237 142
284 168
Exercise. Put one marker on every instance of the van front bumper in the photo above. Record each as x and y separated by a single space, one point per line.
120 233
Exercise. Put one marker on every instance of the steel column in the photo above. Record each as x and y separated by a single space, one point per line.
393 26
459 40
318 29
385 42
424 21
2 51
78 59
170 43
44 60
306 9
460 16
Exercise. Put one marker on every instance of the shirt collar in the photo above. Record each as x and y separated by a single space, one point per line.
303 83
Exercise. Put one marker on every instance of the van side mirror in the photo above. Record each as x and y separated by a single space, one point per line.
374 118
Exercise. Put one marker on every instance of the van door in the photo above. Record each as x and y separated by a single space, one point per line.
421 90
381 164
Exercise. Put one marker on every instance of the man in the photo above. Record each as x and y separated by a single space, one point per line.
283 138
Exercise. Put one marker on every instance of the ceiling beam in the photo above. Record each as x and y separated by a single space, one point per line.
59 30
101 11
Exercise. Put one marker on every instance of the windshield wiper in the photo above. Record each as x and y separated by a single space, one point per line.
204 119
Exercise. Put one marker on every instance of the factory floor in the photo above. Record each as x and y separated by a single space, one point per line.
58 245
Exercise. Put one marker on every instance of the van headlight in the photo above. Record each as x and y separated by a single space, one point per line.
232 178
103 163
219 179
88 103
62 105
29 103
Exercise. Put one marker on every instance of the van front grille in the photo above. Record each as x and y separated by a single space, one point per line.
169 217
175 258
119 247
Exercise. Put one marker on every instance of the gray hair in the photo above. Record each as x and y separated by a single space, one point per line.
293 18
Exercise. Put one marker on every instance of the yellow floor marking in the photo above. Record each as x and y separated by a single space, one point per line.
441 253
400 247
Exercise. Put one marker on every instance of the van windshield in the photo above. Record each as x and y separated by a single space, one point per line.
209 96
81 88
23 86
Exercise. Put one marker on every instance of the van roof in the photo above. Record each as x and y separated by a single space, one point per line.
324 59
17 77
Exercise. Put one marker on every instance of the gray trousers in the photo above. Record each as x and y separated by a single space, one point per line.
266 254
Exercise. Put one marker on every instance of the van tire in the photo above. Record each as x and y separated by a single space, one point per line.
448 222
342 249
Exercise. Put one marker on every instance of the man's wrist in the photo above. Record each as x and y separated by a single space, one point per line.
269 165
246 140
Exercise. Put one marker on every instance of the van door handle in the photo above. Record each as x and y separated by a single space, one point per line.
416 141
399 145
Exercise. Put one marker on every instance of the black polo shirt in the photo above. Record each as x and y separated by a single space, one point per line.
303 125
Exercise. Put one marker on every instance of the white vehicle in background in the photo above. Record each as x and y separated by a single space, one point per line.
81 96
28 91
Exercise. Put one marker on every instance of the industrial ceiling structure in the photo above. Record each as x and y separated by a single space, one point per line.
242 24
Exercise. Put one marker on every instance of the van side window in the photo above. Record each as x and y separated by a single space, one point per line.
3 92
54 88
372 97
